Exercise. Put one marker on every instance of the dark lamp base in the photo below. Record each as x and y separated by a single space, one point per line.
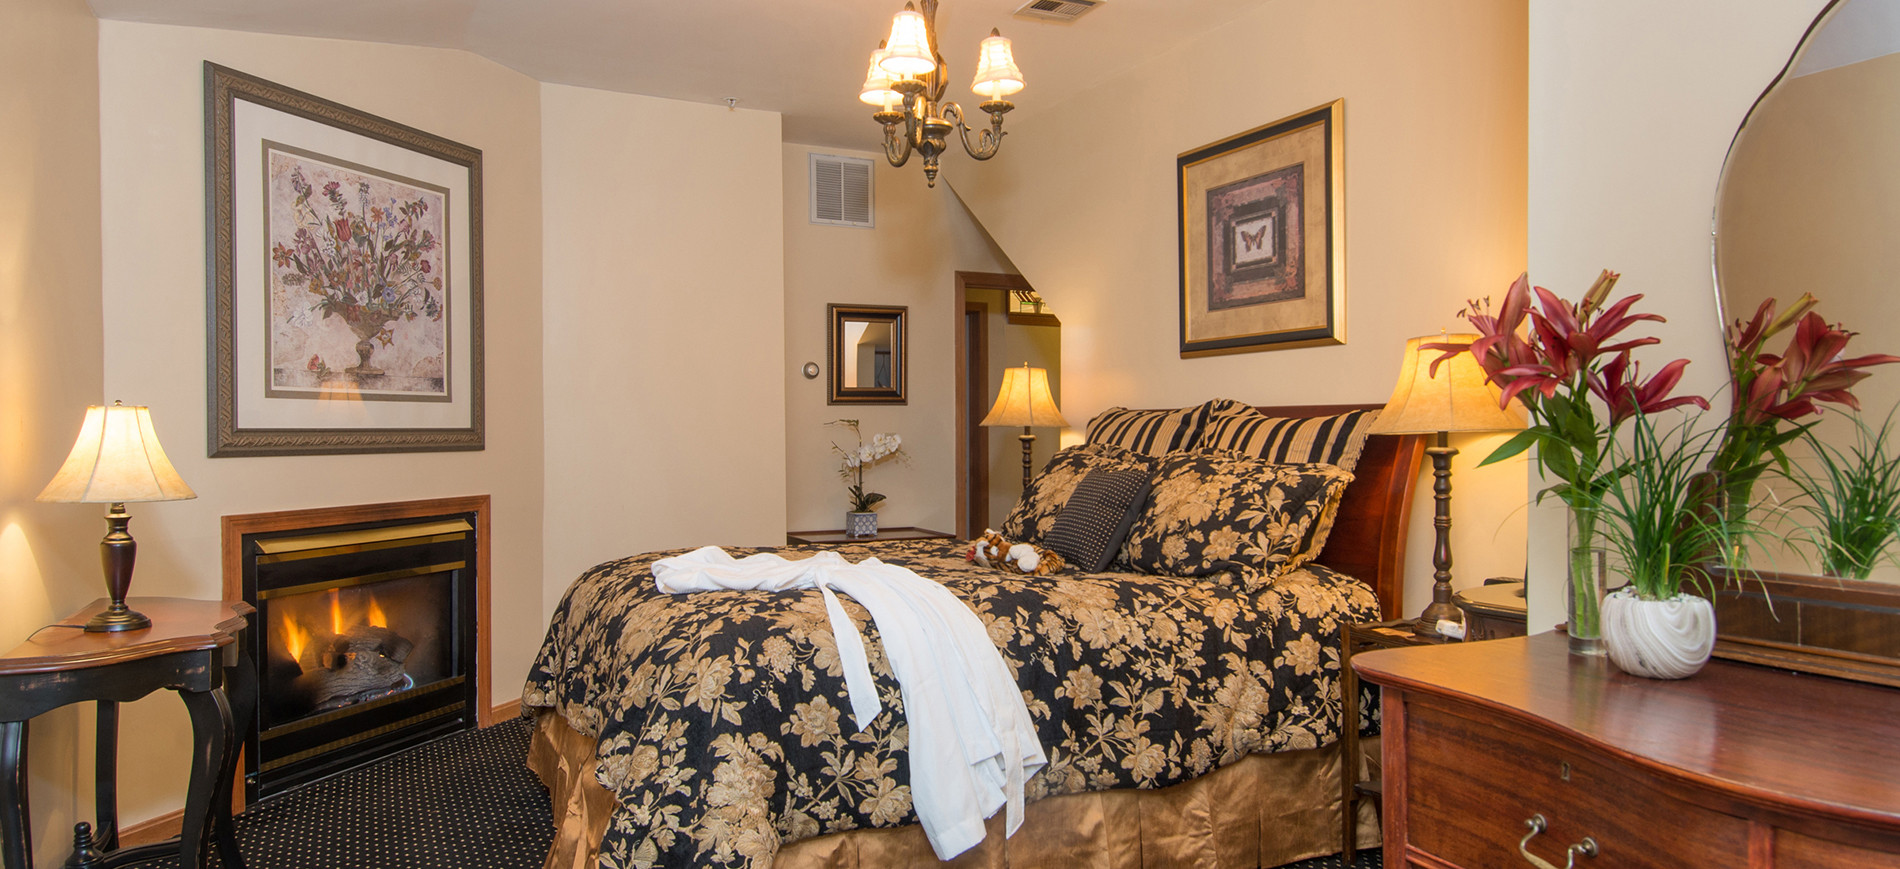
118 617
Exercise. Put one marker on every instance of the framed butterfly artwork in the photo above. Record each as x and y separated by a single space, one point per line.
1263 256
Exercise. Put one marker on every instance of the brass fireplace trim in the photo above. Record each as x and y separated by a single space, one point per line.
365 579
347 711
358 737
282 549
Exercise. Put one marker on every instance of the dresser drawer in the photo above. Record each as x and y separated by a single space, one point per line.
1796 851
1471 786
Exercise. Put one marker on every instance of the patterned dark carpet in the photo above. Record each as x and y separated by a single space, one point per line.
464 802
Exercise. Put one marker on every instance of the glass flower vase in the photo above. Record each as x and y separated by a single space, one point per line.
1586 581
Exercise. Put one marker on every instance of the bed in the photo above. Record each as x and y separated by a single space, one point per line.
1188 720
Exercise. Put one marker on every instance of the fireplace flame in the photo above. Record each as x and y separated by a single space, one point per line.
296 639
376 617
336 614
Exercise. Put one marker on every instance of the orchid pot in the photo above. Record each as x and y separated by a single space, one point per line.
1658 638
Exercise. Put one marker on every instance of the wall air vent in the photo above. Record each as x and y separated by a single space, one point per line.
840 190
1056 10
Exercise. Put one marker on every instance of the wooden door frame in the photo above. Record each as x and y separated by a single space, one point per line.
966 281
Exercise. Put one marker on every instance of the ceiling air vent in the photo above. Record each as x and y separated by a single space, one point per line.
1056 10
840 190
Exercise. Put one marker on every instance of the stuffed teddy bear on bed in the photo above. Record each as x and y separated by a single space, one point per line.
991 550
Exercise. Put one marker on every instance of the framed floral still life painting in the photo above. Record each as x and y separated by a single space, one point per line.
1263 264
345 285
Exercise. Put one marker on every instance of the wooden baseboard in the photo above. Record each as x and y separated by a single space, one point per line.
503 712
170 825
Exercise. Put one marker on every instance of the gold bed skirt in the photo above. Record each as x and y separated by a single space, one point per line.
1266 810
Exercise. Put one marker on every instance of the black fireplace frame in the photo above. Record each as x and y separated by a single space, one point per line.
291 754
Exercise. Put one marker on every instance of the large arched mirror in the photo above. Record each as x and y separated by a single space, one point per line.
1809 201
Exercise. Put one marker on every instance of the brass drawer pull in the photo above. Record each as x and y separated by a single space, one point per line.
1537 824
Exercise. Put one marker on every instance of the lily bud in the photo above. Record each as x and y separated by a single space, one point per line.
1793 315
1598 292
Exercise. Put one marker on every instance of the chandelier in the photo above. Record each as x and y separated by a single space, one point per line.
906 83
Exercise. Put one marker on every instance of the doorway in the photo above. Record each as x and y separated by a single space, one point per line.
992 334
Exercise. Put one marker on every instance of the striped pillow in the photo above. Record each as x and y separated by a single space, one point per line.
1155 432
1331 440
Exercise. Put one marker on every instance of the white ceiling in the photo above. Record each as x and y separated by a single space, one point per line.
804 59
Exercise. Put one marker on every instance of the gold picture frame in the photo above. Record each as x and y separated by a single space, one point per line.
1262 237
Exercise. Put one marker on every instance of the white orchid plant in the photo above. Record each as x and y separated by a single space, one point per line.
851 470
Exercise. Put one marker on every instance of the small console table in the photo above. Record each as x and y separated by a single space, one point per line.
193 647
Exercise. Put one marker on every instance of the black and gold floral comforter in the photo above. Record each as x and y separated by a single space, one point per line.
724 725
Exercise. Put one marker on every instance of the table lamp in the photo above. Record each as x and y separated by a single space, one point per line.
1455 399
117 460
1024 400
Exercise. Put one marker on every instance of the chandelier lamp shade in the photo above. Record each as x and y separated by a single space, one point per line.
1024 400
906 83
115 460
1434 397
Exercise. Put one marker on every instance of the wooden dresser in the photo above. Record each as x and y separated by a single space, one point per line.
1737 766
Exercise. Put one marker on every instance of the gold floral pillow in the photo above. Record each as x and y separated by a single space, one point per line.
1222 512
1042 502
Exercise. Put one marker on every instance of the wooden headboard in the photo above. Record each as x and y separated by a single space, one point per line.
1368 539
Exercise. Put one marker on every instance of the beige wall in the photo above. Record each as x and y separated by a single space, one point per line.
665 296
922 237
50 366
1633 105
151 133
1083 199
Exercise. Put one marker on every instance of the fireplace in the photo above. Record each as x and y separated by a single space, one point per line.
366 635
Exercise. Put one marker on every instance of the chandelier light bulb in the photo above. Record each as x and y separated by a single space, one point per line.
996 72
908 51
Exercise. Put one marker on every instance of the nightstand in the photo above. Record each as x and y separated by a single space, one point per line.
1492 610
906 532
1358 638
193 647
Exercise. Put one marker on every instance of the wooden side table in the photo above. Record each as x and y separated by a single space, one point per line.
833 537
1493 610
193 648
1359 638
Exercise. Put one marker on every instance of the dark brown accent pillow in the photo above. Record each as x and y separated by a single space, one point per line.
1036 513
1216 512
1088 533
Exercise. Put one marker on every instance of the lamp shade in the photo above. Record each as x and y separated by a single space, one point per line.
877 83
908 50
116 459
1025 400
996 72
1456 399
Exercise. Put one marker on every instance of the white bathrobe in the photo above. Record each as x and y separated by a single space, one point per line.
972 744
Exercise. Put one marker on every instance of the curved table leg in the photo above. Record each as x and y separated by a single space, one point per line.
240 683
213 728
15 827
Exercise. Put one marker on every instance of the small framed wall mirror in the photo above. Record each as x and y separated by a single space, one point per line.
870 353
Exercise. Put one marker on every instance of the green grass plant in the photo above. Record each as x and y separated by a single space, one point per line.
1852 496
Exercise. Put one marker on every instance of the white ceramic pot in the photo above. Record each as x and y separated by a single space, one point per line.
860 524
1660 639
